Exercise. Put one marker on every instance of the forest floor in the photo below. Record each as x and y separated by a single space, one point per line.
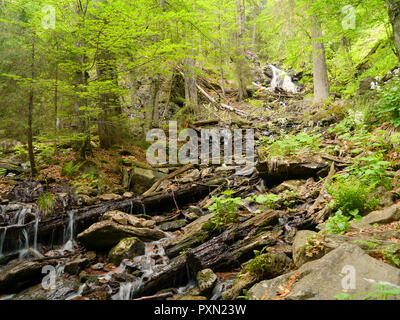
283 230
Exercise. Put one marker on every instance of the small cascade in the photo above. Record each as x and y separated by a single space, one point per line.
153 261
2 239
69 235
281 79
35 233
24 245
19 218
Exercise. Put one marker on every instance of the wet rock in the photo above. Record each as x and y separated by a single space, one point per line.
243 281
322 279
125 249
106 234
173 225
188 298
192 236
20 275
109 197
127 219
75 266
196 210
206 280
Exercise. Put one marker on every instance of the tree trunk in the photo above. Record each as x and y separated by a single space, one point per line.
30 111
394 15
321 84
241 59
109 128
191 93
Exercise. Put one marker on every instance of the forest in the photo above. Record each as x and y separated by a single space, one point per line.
199 150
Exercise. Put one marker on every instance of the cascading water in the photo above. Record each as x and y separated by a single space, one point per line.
69 236
280 79
2 239
151 262
24 246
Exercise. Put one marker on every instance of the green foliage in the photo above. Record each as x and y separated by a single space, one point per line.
47 203
350 193
371 170
339 223
225 209
259 265
382 292
70 169
268 201
390 254
389 102
294 144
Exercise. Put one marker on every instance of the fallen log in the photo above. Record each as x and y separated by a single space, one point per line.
234 246
276 171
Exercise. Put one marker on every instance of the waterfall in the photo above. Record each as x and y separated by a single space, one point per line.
24 247
280 79
69 241
147 265
2 239
36 227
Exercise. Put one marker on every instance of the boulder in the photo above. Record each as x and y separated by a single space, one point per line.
172 225
106 234
128 219
329 276
19 276
206 280
303 239
125 249
75 266
384 216
144 178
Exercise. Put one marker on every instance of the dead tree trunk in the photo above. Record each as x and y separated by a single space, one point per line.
321 83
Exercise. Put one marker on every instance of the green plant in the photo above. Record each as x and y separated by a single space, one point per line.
47 203
351 193
339 223
382 292
389 254
70 169
293 144
245 295
315 245
260 264
225 209
389 102
372 170
267 200
371 244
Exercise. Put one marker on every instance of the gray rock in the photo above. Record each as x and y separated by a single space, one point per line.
126 249
106 234
206 280
128 219
384 216
75 266
173 225
300 245
20 275
322 279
